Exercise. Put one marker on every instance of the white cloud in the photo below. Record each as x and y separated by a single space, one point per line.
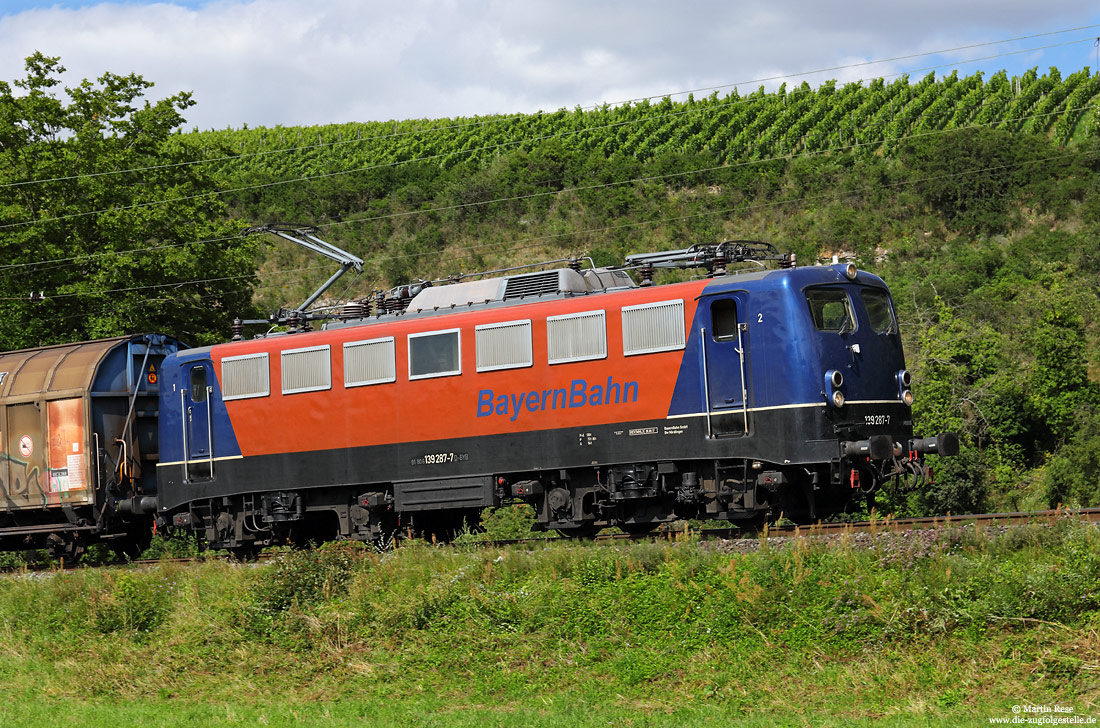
268 62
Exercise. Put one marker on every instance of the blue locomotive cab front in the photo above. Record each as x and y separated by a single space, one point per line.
865 385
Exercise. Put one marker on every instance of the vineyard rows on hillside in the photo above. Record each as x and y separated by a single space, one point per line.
860 118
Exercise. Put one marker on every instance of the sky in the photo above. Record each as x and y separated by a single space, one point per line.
305 62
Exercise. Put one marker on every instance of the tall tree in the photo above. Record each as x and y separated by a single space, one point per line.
107 223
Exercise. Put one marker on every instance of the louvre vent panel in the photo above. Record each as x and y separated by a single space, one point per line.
577 337
653 327
306 370
369 362
504 346
538 284
245 376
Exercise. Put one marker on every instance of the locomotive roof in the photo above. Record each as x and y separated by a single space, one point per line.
796 278
557 282
508 291
494 292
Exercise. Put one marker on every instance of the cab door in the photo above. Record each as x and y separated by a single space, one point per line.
725 364
198 421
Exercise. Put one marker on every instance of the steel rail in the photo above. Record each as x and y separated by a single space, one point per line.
878 525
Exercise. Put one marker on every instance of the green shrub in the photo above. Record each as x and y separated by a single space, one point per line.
98 553
1072 475
10 560
136 602
177 545
308 576
505 523
508 522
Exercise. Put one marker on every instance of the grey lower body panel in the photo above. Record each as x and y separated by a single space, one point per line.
433 495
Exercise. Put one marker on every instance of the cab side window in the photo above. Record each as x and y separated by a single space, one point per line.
434 354
198 384
723 319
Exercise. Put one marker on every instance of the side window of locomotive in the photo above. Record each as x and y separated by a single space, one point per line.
723 319
198 384
879 311
434 354
576 337
831 309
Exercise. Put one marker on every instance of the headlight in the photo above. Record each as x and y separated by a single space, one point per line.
850 271
907 398
905 378
835 378
838 399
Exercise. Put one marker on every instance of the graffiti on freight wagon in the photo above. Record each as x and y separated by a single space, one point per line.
24 483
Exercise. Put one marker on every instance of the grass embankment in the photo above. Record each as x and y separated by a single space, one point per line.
912 628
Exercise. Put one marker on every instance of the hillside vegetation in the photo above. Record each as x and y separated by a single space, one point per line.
977 199
423 198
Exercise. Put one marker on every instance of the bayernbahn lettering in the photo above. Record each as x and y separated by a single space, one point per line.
578 394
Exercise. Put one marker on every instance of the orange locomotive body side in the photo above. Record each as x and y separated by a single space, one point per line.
616 388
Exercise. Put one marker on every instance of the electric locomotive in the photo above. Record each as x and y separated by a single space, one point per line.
599 400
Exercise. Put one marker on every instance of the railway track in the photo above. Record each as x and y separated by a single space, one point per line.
1091 515
887 524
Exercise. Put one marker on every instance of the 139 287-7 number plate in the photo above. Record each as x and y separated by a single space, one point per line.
876 420
440 458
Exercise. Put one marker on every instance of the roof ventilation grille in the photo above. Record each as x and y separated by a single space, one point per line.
535 284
